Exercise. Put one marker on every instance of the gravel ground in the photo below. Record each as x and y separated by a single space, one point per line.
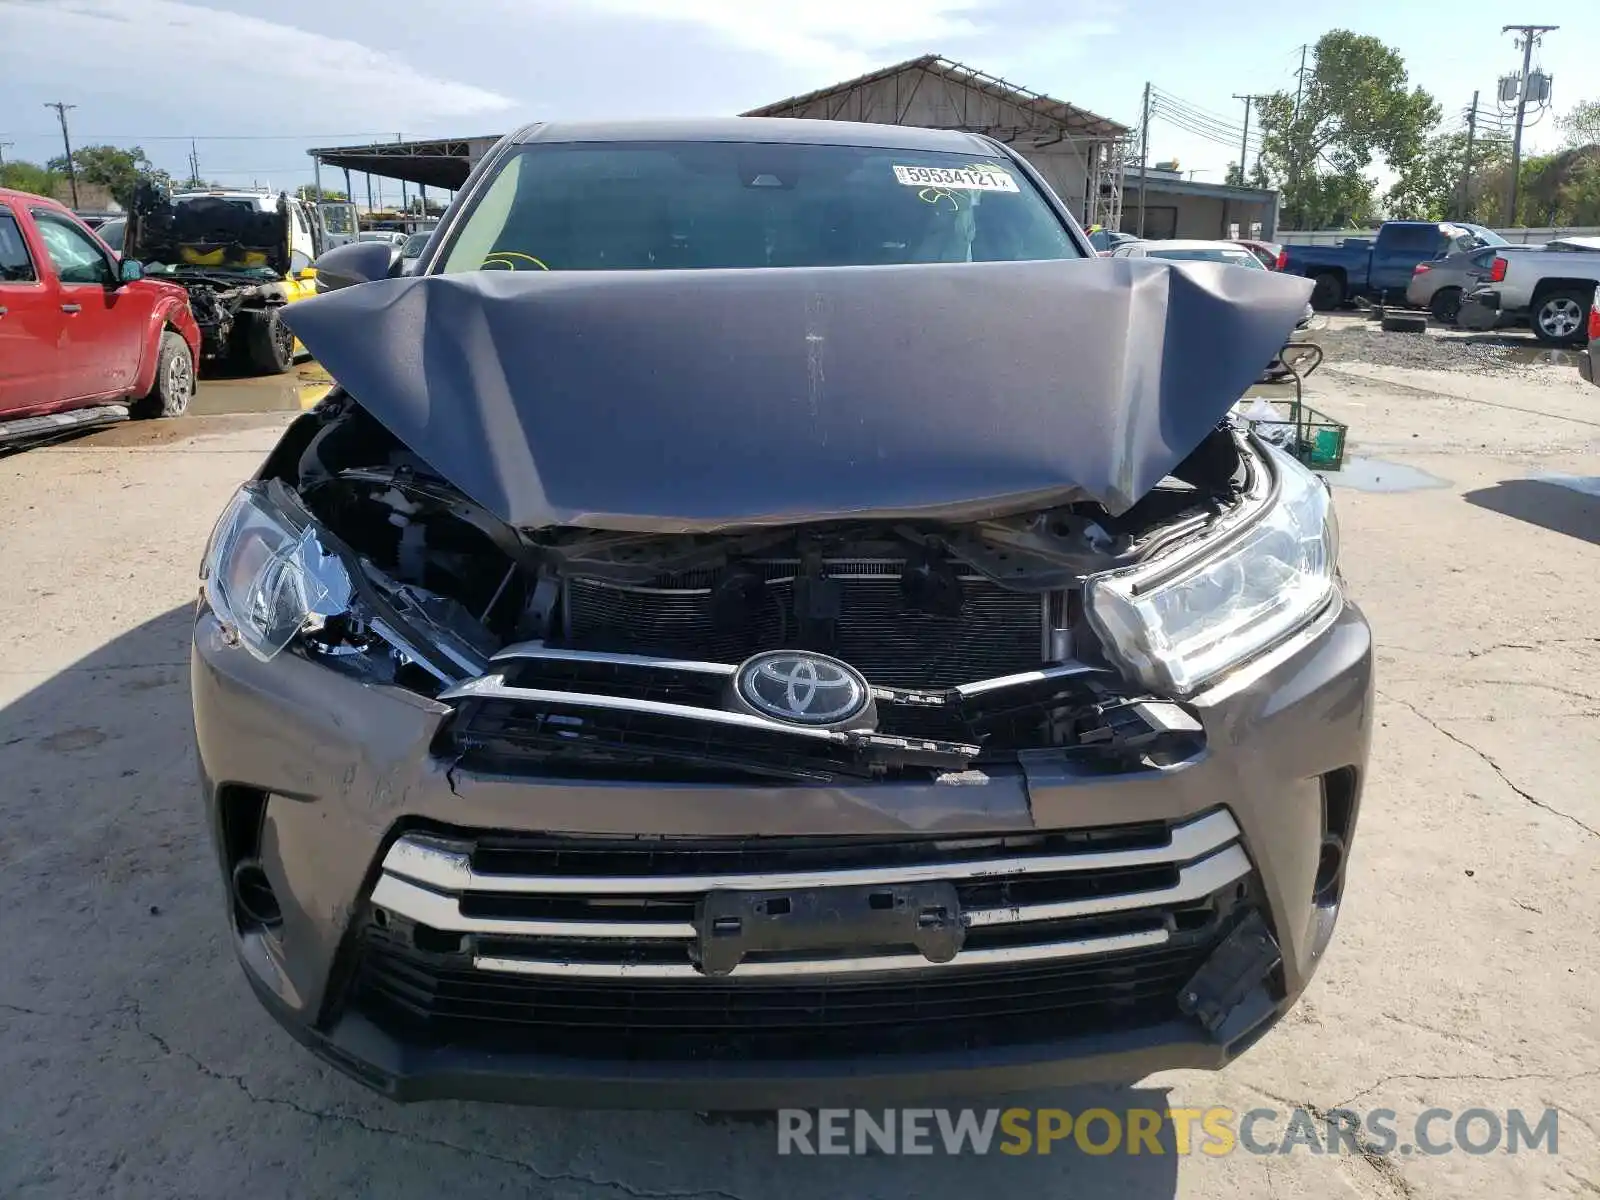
1464 972
1347 337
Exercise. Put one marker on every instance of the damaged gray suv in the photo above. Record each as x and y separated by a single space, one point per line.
768 617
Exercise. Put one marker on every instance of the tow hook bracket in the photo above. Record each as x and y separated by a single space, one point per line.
924 916
1216 994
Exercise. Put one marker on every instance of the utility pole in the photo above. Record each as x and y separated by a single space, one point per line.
403 201
3 146
1531 35
72 172
194 166
1464 205
1244 138
1294 139
1144 154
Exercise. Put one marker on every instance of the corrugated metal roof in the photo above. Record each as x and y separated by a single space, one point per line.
1068 117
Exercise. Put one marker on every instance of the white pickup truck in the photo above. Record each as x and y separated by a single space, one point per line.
1552 286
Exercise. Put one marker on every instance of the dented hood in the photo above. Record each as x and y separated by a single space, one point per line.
664 401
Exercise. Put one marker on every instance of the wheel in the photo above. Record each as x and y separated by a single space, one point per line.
1559 316
1446 305
1327 293
169 396
1402 322
268 342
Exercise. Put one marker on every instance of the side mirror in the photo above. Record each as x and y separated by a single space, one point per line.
129 269
356 262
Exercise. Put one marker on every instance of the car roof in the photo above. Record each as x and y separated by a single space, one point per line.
759 129
33 198
1190 244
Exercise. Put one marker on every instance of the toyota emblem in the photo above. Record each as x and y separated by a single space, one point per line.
807 689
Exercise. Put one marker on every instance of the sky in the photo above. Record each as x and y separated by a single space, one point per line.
256 82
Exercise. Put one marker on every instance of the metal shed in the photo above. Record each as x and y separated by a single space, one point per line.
1080 153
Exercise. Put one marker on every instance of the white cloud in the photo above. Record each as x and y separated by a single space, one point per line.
845 37
222 64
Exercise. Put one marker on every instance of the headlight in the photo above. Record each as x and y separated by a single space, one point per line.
267 577
1175 633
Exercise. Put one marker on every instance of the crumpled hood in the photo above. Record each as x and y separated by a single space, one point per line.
677 401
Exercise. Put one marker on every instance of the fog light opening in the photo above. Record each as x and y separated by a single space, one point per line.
436 941
1330 869
253 893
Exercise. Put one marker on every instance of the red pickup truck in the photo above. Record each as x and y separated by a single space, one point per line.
84 338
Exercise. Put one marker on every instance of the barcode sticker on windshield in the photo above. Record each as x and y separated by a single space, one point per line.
975 179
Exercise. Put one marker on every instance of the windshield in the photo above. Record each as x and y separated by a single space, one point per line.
630 206
1233 256
414 245
1485 237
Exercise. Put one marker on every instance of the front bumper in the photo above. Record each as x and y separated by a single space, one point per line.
318 775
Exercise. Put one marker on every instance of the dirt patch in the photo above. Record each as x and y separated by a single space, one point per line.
1503 353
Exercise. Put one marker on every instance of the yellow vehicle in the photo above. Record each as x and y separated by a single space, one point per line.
241 256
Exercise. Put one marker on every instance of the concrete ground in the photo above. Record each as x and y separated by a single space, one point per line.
1464 974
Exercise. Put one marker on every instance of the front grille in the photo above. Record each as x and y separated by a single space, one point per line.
996 632
591 947
564 709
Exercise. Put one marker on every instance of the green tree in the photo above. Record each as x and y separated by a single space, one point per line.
29 177
1354 108
1582 125
119 171
307 191
1429 184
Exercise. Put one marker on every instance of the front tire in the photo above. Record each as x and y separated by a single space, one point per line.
268 343
1560 317
1446 305
169 396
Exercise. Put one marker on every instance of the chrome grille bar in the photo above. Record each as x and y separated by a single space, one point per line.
445 869
1081 948
440 911
601 927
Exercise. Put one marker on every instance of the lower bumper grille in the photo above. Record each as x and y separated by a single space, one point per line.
421 999
616 949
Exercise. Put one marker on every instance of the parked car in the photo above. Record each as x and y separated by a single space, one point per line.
1440 285
81 334
411 252
112 233
240 257
1106 240
1591 359
1380 268
393 237
1273 256
670 689
1231 253
1551 286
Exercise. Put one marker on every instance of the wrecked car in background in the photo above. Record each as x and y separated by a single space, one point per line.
768 617
241 256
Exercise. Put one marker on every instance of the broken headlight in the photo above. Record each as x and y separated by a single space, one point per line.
1175 630
267 577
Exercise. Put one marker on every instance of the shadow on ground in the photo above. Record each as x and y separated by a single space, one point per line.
1543 503
137 1063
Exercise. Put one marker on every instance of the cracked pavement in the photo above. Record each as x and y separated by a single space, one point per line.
1464 973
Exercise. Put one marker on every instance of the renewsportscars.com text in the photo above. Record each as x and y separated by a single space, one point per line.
1182 1131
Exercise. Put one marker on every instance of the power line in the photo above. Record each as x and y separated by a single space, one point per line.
1225 129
